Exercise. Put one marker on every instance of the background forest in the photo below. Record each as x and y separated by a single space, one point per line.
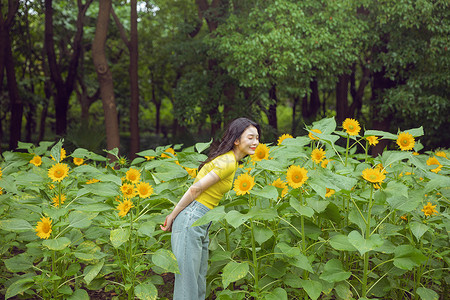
137 74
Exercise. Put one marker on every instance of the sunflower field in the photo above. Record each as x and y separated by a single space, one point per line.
309 217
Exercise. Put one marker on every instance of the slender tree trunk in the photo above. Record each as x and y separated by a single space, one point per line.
64 88
272 116
314 99
132 45
7 64
104 76
358 93
380 122
42 122
157 105
311 107
342 98
16 101
213 12
31 122
134 83
294 114
229 104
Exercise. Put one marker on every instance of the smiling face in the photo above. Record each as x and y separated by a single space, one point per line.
247 143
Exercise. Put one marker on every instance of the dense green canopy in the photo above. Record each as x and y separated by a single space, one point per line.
284 63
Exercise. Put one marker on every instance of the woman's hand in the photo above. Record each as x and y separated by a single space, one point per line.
168 223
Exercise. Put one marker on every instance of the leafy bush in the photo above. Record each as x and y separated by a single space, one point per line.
306 218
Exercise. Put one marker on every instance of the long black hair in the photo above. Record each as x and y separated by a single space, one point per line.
233 132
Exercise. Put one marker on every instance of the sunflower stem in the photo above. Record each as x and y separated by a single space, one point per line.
302 222
366 236
255 259
346 149
130 258
366 150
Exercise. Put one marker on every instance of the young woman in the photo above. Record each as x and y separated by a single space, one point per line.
214 179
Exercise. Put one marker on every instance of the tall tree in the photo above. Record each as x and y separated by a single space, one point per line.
64 87
132 45
7 65
105 76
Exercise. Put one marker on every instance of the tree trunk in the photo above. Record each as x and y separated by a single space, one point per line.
357 94
64 88
272 116
134 83
311 107
213 14
31 122
157 105
379 121
16 101
132 45
105 77
42 122
342 98
294 114
7 64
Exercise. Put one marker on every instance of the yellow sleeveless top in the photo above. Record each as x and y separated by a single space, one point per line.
224 166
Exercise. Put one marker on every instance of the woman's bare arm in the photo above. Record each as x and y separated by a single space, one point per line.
191 194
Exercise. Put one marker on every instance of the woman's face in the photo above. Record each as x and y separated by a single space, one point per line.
248 141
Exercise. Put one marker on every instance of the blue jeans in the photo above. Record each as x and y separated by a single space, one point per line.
190 246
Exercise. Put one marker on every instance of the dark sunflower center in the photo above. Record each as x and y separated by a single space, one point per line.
45 228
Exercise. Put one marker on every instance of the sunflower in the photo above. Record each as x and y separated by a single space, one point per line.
429 210
58 200
313 137
243 184
133 175
1 173
1 191
329 192
434 161
37 161
296 176
404 218
373 140
441 154
62 155
437 169
405 141
58 172
128 190
283 137
44 228
93 180
124 207
192 172
380 168
324 163
122 161
373 175
168 150
317 155
416 153
144 189
351 126
282 185
78 161
149 157
261 152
